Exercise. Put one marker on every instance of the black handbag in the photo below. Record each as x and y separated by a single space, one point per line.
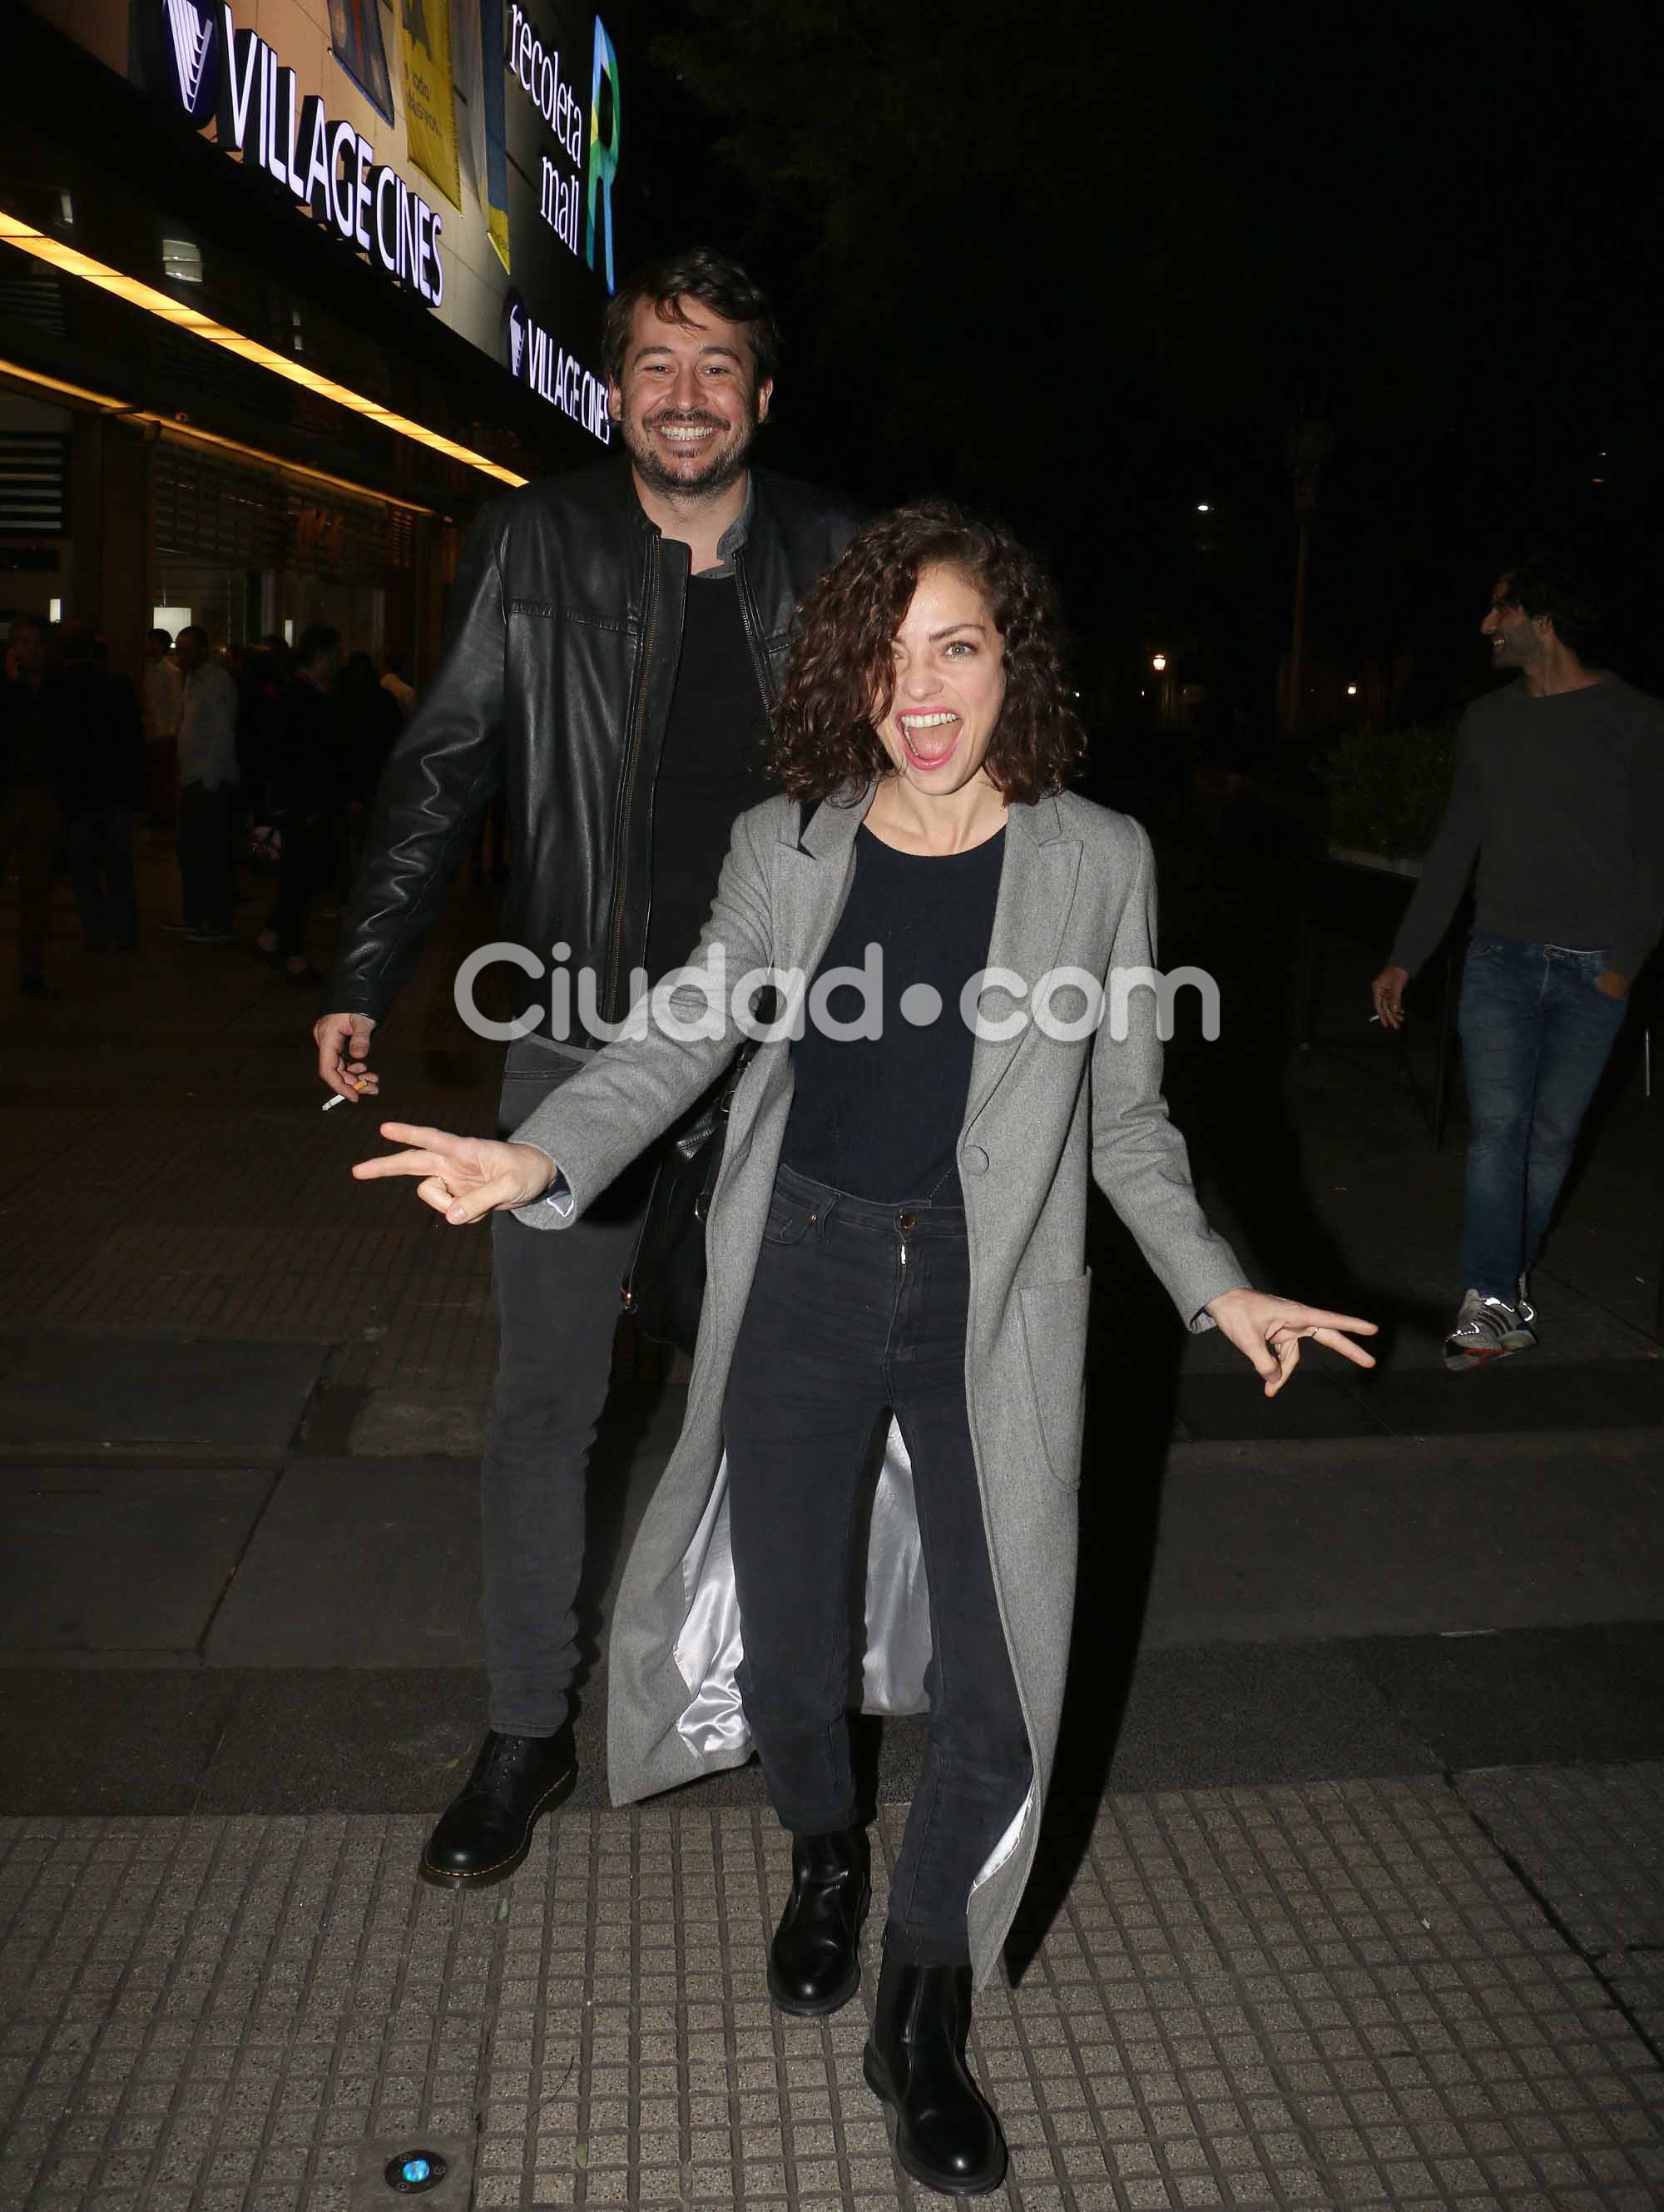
665 1289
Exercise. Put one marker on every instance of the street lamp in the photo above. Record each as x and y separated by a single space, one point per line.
1158 662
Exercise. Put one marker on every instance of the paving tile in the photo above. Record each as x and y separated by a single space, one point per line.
358 1563
1338 1995
72 1390
69 1743
124 1561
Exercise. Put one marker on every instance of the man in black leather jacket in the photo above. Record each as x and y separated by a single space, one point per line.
615 639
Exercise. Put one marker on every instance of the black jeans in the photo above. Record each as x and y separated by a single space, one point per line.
207 888
857 1310
556 1296
101 869
299 865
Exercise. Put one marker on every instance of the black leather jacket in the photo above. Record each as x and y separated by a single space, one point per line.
554 687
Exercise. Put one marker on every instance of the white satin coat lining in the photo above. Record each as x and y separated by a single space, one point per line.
709 1648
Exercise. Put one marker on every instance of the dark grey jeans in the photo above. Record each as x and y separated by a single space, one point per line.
857 1311
556 1296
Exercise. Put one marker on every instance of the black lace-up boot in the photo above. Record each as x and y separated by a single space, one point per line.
484 1833
814 1961
946 2134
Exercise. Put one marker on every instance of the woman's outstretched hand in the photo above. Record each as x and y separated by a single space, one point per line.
463 1178
1268 1331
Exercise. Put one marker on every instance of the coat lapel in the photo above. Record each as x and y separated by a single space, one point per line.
1036 887
811 882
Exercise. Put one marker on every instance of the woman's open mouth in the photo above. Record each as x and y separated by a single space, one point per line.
928 740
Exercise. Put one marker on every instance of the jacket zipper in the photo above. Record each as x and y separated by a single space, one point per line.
632 755
753 629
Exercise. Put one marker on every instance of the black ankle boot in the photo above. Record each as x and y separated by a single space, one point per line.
814 1961
484 1834
946 2133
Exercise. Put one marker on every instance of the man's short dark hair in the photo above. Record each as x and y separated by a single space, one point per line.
161 637
1561 588
700 273
196 631
314 641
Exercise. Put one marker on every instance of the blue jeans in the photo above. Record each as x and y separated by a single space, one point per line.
1535 1036
857 1311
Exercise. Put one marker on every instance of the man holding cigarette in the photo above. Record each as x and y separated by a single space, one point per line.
616 636
1559 799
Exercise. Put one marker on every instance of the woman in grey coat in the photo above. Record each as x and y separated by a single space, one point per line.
896 1248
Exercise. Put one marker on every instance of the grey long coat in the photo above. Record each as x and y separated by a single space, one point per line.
1076 891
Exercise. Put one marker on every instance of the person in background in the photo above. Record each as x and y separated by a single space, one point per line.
368 721
304 789
102 783
208 790
270 673
163 694
31 824
396 686
1558 798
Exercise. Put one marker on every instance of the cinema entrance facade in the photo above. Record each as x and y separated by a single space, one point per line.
228 401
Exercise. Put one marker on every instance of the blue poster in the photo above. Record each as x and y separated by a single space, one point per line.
356 34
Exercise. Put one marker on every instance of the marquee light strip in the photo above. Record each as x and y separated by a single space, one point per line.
39 247
178 433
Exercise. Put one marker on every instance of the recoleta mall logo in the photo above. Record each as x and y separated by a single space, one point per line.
579 161
213 73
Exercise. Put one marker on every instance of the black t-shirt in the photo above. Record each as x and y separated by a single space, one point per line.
707 771
880 1117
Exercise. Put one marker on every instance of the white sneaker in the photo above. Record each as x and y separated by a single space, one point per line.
1485 1329
1522 1305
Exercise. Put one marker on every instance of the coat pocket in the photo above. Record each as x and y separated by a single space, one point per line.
1054 1330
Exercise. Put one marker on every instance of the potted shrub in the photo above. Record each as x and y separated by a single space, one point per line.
1388 789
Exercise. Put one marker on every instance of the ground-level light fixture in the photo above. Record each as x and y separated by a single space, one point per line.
1203 507
414 2171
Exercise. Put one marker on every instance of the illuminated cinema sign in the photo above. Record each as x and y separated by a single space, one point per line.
534 357
579 194
220 74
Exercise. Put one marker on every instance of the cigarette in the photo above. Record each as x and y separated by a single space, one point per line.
337 1101
1374 1017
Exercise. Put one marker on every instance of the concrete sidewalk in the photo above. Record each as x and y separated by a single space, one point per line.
1356 1903
1354 1997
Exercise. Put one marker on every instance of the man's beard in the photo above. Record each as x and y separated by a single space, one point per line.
725 467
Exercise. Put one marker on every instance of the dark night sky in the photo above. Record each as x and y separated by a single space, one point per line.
1088 266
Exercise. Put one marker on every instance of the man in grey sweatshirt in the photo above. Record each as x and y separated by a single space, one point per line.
1559 798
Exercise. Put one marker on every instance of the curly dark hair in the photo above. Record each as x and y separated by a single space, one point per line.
841 677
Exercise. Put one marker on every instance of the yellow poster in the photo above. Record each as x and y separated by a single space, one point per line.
430 113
